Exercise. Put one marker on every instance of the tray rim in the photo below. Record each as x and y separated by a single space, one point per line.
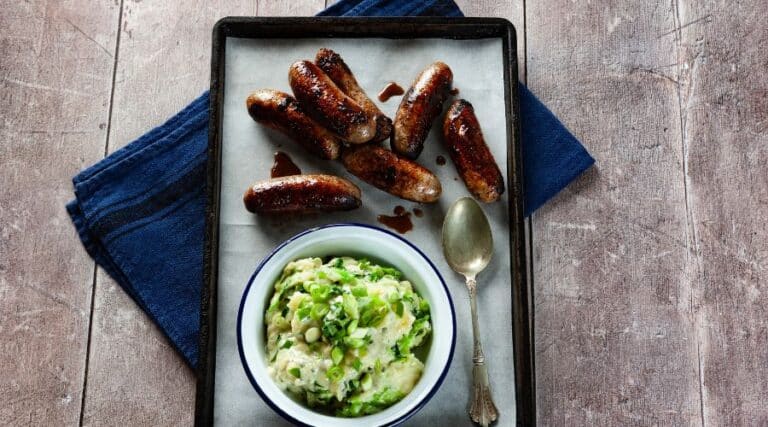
369 27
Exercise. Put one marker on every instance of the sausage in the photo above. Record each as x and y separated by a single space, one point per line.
394 174
282 112
464 140
328 104
338 71
420 106
302 194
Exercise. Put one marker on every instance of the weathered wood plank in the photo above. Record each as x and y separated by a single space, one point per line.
615 341
289 7
724 101
55 80
134 375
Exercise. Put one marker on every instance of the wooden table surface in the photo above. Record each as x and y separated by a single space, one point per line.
650 270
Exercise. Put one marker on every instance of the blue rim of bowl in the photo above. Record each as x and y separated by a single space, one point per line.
274 251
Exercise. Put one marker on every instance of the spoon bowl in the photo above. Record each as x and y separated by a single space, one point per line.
467 238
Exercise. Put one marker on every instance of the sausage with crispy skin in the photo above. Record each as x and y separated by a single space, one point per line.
302 194
419 107
474 161
394 174
328 104
282 112
335 67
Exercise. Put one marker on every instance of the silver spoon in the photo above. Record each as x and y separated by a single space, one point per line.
468 247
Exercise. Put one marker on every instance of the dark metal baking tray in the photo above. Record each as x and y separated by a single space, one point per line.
392 28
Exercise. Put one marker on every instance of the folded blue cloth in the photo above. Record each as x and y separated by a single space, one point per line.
140 211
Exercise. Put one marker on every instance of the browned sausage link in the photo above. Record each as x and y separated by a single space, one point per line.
282 112
419 107
389 172
302 194
335 67
464 140
328 104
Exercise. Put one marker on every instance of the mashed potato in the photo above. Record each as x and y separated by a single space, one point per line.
341 334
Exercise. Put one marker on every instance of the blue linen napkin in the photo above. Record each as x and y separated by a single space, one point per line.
140 212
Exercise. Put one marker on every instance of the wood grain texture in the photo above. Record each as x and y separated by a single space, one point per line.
649 270
615 341
55 79
289 7
723 66
134 375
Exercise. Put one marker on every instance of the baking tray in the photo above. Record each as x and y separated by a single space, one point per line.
396 35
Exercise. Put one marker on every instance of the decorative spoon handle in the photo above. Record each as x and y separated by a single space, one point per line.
482 410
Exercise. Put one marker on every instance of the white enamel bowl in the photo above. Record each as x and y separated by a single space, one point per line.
355 240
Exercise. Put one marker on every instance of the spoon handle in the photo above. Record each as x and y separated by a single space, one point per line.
482 409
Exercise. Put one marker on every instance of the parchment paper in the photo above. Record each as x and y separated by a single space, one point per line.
247 155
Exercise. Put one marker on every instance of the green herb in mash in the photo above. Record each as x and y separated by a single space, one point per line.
341 334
